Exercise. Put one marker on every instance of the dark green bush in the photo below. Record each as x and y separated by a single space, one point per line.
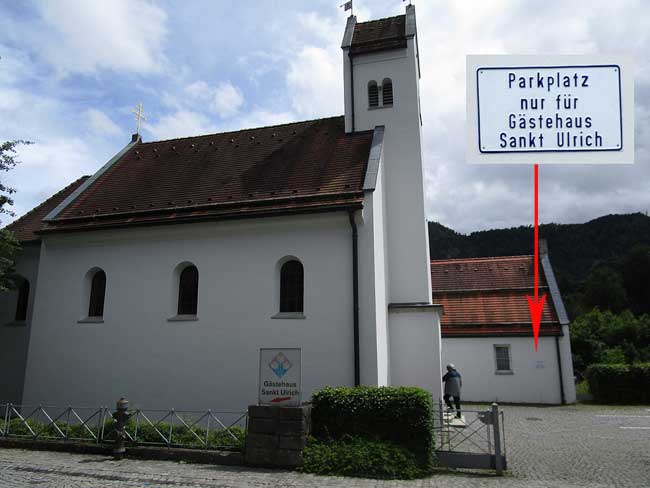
362 458
619 383
402 416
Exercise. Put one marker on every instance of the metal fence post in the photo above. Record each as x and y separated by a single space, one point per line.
498 460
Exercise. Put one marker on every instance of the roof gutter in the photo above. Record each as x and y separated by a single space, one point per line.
135 139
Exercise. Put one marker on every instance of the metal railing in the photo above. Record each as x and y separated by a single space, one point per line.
171 428
476 440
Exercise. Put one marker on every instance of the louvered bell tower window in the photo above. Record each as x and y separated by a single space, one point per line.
373 94
387 92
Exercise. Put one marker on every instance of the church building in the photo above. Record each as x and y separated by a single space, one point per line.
161 276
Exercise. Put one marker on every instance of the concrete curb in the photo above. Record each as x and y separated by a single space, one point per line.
200 456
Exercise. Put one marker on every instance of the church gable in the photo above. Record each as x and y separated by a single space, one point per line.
297 167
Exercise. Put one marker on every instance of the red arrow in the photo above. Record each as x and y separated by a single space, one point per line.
536 305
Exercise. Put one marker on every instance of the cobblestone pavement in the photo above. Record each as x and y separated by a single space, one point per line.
573 446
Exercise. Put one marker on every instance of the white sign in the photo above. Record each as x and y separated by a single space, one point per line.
563 109
280 377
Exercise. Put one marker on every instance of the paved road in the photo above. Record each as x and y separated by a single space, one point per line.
567 447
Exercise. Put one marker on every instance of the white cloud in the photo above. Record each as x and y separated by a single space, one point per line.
100 124
225 99
315 82
78 36
182 123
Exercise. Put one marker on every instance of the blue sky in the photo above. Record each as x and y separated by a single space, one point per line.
71 70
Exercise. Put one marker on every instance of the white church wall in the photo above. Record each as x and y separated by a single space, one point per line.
415 348
407 246
208 363
373 329
534 377
14 336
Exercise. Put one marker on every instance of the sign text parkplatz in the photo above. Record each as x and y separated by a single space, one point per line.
280 376
549 109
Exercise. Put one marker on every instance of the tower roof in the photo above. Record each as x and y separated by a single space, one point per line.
379 35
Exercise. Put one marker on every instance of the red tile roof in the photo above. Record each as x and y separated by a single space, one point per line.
26 226
298 167
487 296
379 35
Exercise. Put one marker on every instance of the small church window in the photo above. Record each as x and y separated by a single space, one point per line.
23 299
188 291
502 353
373 94
291 287
97 292
387 92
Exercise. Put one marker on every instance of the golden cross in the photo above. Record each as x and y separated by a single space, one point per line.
139 116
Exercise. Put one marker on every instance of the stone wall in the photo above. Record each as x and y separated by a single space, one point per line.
276 435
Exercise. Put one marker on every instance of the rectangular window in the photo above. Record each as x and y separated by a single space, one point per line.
502 354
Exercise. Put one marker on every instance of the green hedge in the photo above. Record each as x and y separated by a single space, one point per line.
402 416
216 439
353 456
619 383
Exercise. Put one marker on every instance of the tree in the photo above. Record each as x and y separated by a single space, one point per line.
636 278
9 245
8 161
604 289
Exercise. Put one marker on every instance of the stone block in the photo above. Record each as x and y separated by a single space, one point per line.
265 441
293 413
285 427
294 442
260 457
263 426
263 411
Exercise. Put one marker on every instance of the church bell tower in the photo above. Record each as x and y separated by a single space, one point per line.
382 88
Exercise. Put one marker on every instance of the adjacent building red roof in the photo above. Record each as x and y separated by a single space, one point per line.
487 296
376 35
299 167
25 227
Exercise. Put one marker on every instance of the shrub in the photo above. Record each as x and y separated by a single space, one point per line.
363 458
402 416
146 434
619 383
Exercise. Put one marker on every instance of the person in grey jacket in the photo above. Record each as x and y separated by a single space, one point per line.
453 384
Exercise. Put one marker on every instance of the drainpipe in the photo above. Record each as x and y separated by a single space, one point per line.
351 88
355 295
559 368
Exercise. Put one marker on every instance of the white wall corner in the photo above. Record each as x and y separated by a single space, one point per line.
374 159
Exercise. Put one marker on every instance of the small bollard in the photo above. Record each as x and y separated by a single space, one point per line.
498 460
121 417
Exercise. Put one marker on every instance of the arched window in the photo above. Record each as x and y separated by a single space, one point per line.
291 286
188 291
97 292
23 300
373 94
387 92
